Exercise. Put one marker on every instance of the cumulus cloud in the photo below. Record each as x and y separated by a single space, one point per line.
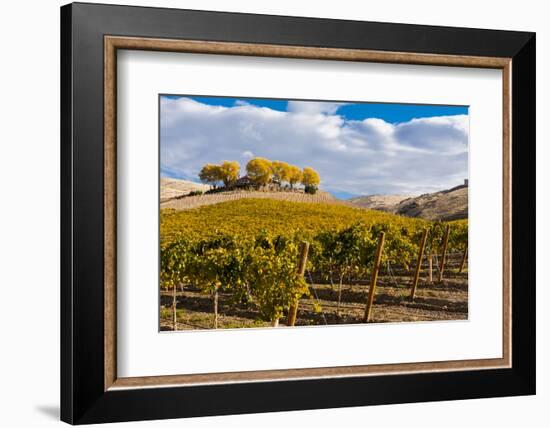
357 157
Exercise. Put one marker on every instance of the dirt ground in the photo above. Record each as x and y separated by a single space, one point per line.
447 300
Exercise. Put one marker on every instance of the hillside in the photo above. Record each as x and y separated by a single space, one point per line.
171 188
249 216
189 202
379 202
445 205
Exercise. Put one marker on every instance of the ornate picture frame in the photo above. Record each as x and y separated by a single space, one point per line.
92 391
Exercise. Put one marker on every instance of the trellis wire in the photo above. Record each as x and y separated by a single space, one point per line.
390 273
316 296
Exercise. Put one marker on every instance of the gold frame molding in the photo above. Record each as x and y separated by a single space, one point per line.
113 43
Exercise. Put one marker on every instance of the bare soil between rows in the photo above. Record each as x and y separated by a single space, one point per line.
443 301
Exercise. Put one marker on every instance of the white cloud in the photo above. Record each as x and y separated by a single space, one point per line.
358 157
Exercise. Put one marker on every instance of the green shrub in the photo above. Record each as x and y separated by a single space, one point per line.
310 189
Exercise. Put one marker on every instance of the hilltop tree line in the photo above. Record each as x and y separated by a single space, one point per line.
261 172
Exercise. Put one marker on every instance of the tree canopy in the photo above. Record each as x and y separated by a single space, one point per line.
281 171
310 177
259 171
294 175
229 171
210 174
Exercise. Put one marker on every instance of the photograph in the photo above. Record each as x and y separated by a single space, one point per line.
262 212
282 213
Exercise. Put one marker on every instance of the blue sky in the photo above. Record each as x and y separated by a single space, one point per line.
358 148
389 112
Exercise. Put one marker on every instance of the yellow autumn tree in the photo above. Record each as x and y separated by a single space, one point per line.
259 171
294 175
229 172
210 174
310 177
281 171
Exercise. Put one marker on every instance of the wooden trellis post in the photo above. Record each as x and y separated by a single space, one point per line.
174 306
293 309
419 263
444 253
374 278
463 261
216 316
429 259
430 266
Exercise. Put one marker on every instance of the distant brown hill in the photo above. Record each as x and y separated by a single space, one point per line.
172 188
445 205
379 202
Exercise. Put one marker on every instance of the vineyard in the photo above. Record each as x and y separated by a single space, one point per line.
265 262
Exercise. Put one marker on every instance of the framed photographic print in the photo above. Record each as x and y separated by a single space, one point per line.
265 213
